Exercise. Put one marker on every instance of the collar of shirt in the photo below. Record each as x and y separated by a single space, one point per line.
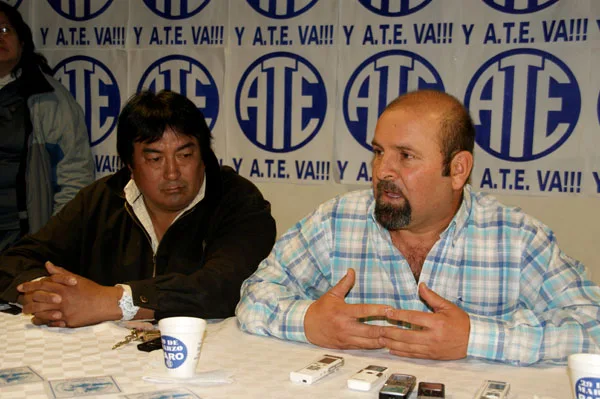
457 224
6 80
134 197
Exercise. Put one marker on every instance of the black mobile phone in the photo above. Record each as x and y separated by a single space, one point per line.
398 386
6 307
431 390
151 345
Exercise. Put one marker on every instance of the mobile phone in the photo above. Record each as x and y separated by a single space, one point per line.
151 345
398 386
367 378
493 390
318 369
431 390
9 308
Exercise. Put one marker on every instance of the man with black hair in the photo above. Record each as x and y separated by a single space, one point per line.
170 234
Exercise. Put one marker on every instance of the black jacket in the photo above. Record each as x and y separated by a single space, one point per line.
201 261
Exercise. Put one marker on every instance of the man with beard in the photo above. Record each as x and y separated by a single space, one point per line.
421 264
172 233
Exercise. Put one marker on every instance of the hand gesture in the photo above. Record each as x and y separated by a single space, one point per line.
65 299
444 334
332 323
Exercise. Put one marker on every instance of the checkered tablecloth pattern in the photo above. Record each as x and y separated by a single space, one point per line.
260 365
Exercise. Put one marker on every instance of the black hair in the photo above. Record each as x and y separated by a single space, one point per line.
29 58
147 115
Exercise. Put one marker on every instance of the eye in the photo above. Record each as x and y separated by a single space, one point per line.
405 155
153 159
377 152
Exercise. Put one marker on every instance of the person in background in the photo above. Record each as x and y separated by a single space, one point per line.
45 156
445 272
170 234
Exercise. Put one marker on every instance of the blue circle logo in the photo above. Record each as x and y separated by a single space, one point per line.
523 7
175 351
587 388
176 9
187 76
598 108
525 104
95 88
281 9
82 10
281 102
376 82
394 8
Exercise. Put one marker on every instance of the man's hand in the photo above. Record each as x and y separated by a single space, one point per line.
445 333
332 323
65 299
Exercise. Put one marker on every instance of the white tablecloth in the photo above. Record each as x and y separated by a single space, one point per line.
260 365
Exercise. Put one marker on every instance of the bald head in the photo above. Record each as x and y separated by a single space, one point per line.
456 131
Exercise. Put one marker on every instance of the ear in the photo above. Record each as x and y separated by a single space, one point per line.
460 169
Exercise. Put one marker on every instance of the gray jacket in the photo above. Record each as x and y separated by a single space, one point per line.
59 159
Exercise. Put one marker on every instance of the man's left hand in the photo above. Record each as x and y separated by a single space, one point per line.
444 334
80 304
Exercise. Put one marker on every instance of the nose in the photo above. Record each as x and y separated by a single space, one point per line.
384 167
172 171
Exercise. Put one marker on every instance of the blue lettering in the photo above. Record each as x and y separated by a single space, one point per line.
597 180
342 168
348 32
255 170
467 30
239 32
237 164
486 179
363 173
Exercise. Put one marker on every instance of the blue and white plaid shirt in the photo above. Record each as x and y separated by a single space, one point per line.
527 300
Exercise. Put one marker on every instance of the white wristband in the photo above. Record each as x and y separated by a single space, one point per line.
128 309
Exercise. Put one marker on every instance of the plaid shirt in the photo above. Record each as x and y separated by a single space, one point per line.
527 300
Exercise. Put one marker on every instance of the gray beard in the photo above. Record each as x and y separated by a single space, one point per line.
389 216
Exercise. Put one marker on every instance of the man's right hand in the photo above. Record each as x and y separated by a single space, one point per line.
41 297
332 323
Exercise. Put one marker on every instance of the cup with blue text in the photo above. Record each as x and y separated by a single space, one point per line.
584 372
181 339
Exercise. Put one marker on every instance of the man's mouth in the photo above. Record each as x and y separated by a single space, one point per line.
172 189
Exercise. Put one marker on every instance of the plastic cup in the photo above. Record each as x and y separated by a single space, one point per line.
181 339
584 372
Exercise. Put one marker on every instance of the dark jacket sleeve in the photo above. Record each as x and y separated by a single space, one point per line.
240 234
59 241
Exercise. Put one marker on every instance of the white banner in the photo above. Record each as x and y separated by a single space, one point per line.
292 88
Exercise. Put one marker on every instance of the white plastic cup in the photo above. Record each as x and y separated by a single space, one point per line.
181 339
584 372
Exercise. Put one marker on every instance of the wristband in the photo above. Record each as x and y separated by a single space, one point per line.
128 309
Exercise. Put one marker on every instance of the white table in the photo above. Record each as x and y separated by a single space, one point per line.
260 365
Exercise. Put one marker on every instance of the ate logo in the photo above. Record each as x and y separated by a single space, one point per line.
394 8
187 76
81 10
520 6
281 9
95 88
176 9
525 104
376 82
281 102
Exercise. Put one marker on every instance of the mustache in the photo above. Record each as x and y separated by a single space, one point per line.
389 186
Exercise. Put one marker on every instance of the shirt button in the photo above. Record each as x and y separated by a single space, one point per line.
143 299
